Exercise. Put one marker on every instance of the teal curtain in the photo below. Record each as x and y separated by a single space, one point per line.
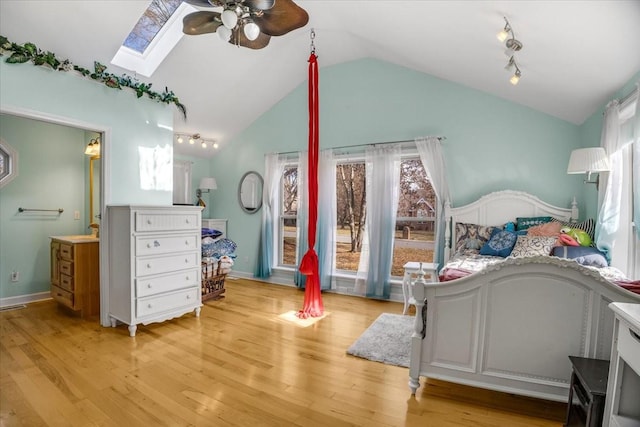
430 150
274 167
383 182
327 221
302 219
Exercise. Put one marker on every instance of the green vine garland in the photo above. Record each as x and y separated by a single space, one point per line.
29 52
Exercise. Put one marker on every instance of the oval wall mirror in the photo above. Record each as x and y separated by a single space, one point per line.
250 192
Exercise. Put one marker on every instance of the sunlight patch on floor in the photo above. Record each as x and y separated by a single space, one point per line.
290 316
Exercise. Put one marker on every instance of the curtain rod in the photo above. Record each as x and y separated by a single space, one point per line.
440 138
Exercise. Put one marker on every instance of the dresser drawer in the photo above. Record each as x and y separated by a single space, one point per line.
166 244
629 346
62 296
165 302
167 222
66 282
171 282
66 267
66 251
166 264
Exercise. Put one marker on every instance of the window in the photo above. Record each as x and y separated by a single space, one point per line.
415 223
350 214
8 163
416 216
288 247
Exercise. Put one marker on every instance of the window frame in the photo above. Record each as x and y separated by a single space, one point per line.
10 156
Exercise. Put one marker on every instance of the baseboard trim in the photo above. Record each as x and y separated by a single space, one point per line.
24 299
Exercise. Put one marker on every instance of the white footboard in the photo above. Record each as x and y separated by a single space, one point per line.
513 327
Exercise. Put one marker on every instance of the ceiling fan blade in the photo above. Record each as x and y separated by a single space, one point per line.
285 16
201 22
260 4
238 38
204 3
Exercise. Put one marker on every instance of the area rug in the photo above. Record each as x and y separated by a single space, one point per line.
387 340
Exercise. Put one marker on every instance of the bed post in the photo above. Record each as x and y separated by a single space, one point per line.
447 230
574 210
419 330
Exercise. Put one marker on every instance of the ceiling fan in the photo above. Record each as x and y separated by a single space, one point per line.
248 23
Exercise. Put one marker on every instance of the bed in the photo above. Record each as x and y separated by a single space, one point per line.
511 326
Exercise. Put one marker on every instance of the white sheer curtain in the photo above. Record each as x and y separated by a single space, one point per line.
609 197
432 158
383 182
274 167
327 220
302 218
182 182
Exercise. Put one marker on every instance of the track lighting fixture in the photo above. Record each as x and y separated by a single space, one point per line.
512 64
196 137
512 46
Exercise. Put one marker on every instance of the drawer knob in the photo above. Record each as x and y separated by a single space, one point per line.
149 286
188 221
148 221
156 243
186 242
149 265
186 260
148 305
188 296
187 278
148 245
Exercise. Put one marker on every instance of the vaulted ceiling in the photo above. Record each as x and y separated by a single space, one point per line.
576 54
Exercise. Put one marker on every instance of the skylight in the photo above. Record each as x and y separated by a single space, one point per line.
150 23
157 32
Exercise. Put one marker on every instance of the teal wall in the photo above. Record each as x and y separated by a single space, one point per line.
491 144
51 175
130 124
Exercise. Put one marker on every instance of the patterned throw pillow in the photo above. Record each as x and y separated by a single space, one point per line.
588 225
471 237
533 246
500 244
523 223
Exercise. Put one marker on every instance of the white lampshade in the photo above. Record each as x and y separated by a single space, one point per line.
587 160
224 33
208 184
229 19
251 30
502 35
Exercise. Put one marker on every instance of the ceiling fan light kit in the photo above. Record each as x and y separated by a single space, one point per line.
512 46
246 23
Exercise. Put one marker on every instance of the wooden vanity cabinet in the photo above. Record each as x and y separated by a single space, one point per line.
75 274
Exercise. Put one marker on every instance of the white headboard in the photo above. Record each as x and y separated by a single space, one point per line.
500 207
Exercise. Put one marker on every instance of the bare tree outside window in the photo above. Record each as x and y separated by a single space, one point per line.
288 217
150 23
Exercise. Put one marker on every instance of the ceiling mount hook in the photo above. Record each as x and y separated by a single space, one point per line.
312 36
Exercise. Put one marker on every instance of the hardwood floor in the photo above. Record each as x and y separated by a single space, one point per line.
238 365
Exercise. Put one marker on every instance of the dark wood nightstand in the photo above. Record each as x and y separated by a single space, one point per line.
589 384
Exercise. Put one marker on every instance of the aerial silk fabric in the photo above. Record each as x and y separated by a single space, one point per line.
430 151
326 228
313 306
274 168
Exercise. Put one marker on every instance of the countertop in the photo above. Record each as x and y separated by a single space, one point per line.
79 238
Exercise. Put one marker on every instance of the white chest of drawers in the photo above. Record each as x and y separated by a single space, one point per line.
154 263
622 406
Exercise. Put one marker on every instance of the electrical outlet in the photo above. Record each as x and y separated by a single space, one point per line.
15 276
76 215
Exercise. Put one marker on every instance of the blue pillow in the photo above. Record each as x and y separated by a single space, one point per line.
582 255
524 223
500 243
210 232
